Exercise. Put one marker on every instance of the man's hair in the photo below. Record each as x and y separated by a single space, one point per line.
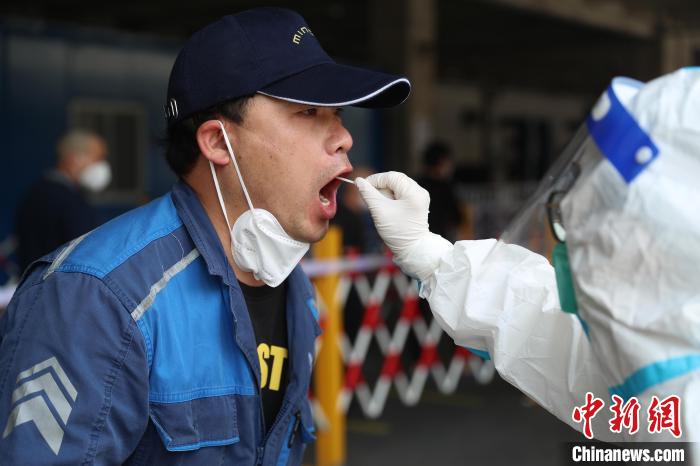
435 153
182 149
76 141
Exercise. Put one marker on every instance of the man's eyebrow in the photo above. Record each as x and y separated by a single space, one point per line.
297 105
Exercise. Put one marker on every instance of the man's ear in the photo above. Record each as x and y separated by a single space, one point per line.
211 142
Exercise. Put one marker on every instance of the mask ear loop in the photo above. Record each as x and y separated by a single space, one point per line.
235 164
218 194
238 172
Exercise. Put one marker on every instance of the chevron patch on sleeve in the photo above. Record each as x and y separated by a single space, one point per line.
45 396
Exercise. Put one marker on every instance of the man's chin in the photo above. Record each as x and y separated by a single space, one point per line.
316 234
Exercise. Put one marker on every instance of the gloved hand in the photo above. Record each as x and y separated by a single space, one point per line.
402 222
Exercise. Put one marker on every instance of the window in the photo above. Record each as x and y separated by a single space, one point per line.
123 126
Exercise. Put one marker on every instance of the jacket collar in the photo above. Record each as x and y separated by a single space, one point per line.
202 232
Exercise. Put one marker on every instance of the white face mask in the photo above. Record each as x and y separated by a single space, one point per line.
259 244
96 176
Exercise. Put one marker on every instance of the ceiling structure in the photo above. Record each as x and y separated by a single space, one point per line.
335 21
557 45
179 19
497 45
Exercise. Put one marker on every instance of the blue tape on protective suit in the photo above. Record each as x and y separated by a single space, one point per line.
618 136
481 353
654 374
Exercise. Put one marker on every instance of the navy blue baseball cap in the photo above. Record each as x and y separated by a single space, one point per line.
270 51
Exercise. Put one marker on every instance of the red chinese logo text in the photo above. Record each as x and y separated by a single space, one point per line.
665 415
662 414
587 412
624 415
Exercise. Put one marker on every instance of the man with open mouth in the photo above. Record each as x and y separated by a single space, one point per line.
183 332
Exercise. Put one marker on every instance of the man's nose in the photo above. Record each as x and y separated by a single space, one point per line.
340 140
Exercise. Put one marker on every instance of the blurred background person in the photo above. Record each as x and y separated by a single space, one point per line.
436 178
56 209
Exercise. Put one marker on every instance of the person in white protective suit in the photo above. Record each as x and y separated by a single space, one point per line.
618 310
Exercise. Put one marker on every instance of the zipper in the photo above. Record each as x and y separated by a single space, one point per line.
280 415
261 448
256 376
295 429
286 400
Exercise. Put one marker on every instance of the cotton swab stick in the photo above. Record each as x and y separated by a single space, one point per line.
386 192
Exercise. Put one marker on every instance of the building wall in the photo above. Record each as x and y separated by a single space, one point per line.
47 69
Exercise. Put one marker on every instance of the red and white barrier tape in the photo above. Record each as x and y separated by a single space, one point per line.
372 295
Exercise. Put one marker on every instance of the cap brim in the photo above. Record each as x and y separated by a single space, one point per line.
335 85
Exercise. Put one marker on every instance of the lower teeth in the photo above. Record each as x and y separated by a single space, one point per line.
324 200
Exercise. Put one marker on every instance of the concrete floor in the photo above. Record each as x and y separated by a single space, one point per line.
478 425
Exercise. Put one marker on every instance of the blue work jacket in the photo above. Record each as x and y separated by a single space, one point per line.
133 345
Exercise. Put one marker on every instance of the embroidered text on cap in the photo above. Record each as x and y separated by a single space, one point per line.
171 111
299 33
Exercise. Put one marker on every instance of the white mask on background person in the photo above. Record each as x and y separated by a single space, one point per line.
259 244
96 176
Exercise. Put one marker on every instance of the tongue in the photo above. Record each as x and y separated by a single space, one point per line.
326 193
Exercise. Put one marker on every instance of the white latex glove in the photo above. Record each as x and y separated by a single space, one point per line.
402 222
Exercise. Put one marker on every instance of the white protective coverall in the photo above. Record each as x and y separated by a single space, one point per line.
632 223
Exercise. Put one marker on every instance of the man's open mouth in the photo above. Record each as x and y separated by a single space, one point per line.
327 194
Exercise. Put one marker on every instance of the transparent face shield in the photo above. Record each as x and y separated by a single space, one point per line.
539 226
610 136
